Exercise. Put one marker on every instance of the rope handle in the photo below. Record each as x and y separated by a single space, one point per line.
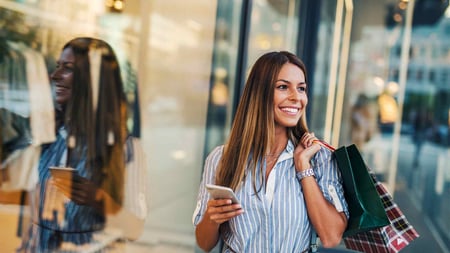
324 144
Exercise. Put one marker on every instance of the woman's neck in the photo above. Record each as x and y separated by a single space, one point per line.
280 142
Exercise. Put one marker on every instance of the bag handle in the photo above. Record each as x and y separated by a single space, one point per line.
324 144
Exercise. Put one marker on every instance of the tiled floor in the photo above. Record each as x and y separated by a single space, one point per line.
141 248
153 240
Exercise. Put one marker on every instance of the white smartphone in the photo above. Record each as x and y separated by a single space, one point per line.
62 172
221 192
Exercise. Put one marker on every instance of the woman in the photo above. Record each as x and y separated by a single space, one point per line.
91 107
287 185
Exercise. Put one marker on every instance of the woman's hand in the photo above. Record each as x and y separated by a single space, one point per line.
217 212
79 190
304 151
222 210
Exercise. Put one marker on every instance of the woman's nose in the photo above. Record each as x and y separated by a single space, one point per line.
55 75
294 94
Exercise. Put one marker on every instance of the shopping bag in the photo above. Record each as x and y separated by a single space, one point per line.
364 203
388 239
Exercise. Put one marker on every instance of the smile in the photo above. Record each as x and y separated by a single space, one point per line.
60 87
290 110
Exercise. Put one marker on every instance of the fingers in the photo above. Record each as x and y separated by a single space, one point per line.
306 149
81 192
222 210
308 139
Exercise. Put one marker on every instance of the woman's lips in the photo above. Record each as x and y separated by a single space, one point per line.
61 88
290 110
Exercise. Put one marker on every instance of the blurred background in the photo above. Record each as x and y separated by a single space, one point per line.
379 77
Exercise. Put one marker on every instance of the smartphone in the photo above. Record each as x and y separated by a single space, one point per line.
62 172
221 192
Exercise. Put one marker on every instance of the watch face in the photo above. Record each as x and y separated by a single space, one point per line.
306 173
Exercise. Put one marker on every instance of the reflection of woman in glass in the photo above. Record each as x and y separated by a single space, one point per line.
286 184
68 208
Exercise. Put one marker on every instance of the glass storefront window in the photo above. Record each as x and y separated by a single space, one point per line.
174 81
273 26
224 84
397 105
324 71
164 47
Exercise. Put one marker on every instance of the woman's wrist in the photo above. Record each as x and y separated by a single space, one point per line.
99 201
305 173
303 166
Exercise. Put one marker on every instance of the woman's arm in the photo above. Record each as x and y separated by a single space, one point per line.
328 222
217 212
131 218
210 214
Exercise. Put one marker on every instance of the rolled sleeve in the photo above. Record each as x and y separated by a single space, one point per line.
329 179
208 177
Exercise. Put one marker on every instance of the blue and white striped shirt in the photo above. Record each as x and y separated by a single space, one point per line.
80 222
277 221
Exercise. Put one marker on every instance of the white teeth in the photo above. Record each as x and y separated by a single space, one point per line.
293 110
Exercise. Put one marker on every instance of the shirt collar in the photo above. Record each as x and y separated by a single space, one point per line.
63 132
288 153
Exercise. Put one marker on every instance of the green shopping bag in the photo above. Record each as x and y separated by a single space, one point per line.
364 204
376 224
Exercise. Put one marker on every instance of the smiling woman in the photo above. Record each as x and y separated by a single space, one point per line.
290 97
62 76
274 168
82 174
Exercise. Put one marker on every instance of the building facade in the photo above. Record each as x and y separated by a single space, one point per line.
374 66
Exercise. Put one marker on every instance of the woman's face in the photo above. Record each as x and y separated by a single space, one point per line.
289 96
62 76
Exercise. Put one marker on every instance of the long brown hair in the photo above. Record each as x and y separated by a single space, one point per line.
253 128
100 130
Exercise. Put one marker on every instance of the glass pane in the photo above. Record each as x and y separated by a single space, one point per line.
274 26
424 137
171 44
174 89
223 81
32 34
322 69
397 104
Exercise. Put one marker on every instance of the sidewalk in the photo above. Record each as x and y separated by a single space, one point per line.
428 241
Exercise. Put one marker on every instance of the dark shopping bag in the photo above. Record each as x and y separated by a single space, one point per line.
376 224
364 203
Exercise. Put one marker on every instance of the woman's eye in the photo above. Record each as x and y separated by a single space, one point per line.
282 87
67 69
301 88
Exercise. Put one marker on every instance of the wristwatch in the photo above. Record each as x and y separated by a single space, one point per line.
306 173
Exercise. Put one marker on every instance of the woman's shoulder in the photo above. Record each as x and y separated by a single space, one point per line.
322 156
216 152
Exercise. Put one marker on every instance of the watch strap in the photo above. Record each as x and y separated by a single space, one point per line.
306 173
